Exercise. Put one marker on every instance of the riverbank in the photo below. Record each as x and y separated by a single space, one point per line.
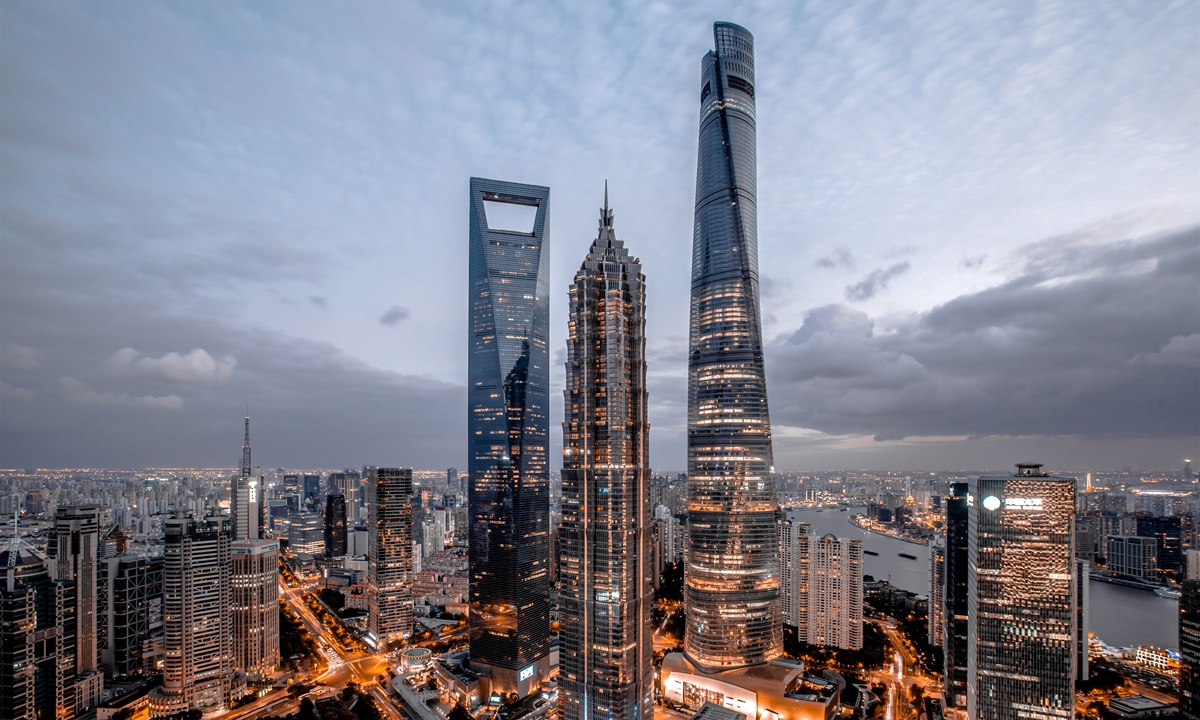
857 522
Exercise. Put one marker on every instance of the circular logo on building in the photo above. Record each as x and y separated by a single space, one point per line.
991 502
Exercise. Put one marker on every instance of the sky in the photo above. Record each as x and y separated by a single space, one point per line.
979 223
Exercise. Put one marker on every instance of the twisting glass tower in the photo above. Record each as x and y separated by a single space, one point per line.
605 576
733 594
508 429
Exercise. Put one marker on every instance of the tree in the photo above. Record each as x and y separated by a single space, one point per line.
459 713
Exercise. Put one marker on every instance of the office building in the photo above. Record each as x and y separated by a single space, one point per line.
312 492
954 636
605 576
1189 648
72 554
198 662
335 525
732 593
389 559
1022 626
349 484
937 590
1168 534
130 616
306 534
247 501
255 595
1133 557
507 435
37 639
1083 608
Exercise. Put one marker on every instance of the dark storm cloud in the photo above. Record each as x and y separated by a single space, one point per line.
394 316
1090 340
866 288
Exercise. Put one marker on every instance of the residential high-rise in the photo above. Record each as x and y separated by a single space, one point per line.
198 662
255 607
1189 648
72 554
793 571
605 576
335 525
825 593
37 639
732 575
1022 596
507 433
350 485
389 556
937 590
954 640
246 500
129 606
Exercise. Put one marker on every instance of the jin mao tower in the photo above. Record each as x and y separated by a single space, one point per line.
606 579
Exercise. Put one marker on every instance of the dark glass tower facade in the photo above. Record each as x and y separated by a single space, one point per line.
507 432
605 580
732 575
954 634
335 525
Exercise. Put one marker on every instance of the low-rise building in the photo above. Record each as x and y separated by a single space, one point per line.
1137 707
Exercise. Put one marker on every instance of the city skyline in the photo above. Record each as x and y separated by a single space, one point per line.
931 189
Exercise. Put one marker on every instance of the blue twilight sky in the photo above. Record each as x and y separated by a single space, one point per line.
979 222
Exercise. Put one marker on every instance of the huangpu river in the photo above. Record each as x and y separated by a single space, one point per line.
1120 616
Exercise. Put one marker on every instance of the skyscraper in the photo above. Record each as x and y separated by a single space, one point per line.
733 594
1189 647
954 640
255 607
129 606
37 639
1022 599
246 497
198 661
389 556
73 555
605 577
937 590
335 525
312 490
507 433
823 592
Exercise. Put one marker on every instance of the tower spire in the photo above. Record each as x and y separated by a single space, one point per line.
246 449
606 215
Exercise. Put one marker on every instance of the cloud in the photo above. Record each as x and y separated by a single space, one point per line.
15 394
394 316
319 301
76 392
840 258
195 368
866 288
972 263
19 357
1097 343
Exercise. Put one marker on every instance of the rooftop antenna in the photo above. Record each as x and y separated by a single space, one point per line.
606 215
246 446
14 548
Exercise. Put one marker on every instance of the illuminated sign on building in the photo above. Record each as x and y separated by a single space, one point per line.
253 491
1022 503
525 674
991 502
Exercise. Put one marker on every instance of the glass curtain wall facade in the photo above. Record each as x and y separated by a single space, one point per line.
606 579
508 430
129 602
954 636
1022 614
732 571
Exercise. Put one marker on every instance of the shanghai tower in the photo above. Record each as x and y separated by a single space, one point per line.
732 573
508 430
605 671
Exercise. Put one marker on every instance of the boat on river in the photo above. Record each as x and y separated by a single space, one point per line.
870 552
906 555
1171 593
